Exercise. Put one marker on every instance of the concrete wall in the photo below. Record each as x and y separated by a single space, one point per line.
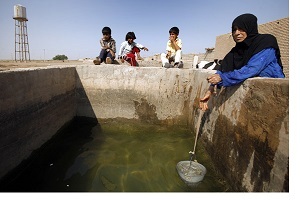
245 131
149 94
34 104
247 134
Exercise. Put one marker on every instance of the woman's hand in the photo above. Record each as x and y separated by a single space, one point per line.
214 79
203 103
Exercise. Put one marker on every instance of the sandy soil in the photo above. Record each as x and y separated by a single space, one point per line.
149 61
8 64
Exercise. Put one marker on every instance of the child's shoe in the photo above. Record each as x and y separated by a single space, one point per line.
108 60
97 61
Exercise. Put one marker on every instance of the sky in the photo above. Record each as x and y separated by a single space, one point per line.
73 27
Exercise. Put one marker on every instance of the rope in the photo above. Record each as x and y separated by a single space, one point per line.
197 132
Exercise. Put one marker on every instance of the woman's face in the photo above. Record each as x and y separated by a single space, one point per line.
239 35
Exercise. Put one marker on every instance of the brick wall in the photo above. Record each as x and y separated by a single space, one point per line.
278 28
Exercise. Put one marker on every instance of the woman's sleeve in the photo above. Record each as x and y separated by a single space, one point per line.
255 65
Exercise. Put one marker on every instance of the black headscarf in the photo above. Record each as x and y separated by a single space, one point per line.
254 43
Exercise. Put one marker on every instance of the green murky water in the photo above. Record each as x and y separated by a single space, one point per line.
118 156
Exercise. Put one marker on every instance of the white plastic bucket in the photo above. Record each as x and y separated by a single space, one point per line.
190 171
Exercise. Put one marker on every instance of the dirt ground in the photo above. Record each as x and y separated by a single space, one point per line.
149 61
9 64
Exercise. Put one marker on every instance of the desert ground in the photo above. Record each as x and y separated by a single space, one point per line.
9 64
153 61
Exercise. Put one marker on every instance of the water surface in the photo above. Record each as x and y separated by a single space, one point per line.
113 156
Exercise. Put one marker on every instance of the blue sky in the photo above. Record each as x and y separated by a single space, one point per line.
73 27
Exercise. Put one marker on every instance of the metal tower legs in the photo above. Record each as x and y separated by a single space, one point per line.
21 41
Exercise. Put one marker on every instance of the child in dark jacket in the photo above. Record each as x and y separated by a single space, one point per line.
108 48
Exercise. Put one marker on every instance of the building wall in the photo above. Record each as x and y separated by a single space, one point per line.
278 28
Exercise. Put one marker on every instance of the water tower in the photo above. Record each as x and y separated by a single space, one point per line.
21 36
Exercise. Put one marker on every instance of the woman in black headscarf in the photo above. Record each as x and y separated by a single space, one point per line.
254 55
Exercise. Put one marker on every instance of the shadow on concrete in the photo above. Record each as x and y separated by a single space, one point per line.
83 105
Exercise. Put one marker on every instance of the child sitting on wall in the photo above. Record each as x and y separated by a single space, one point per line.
129 48
108 48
